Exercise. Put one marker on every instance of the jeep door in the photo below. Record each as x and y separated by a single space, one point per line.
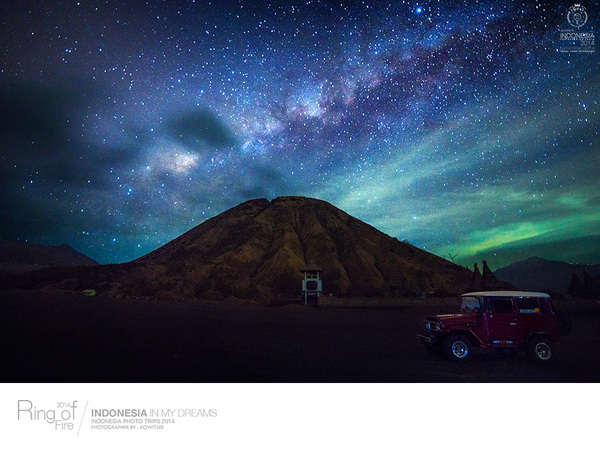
535 316
501 321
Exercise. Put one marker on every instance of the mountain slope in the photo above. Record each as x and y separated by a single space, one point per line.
544 274
17 257
258 248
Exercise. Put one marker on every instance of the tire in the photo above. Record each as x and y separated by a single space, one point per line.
540 349
458 348
507 351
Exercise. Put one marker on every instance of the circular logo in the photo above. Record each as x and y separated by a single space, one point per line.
577 16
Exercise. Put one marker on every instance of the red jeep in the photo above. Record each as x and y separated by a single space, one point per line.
508 321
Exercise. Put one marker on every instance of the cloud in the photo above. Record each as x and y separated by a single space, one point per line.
201 128
583 250
482 184
262 182
52 178
40 133
34 113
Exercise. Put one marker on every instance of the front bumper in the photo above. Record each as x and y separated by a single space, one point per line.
429 339
425 339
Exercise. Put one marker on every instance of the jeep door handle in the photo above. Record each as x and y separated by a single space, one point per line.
513 323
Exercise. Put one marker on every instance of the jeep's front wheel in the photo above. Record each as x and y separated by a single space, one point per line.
457 348
541 350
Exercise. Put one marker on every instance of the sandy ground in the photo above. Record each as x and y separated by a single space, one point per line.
67 338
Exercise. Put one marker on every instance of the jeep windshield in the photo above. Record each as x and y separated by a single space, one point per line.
470 305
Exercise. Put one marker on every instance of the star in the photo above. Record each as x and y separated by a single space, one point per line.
468 133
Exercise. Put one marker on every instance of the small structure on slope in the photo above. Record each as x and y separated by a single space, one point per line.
312 284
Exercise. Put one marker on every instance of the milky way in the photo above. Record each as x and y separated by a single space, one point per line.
458 126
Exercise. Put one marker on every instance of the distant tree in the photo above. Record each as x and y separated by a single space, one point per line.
576 288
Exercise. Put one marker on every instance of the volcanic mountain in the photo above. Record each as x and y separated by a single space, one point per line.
18 257
257 249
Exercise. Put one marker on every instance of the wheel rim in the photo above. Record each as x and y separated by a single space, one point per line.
460 349
543 351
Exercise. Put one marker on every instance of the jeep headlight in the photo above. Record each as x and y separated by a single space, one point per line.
433 326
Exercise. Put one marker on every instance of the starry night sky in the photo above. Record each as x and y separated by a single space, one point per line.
457 126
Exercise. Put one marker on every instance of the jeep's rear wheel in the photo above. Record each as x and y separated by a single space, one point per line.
540 349
457 348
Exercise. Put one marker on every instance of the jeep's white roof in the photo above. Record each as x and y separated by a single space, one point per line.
505 294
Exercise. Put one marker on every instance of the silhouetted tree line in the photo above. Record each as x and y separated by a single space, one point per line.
589 288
